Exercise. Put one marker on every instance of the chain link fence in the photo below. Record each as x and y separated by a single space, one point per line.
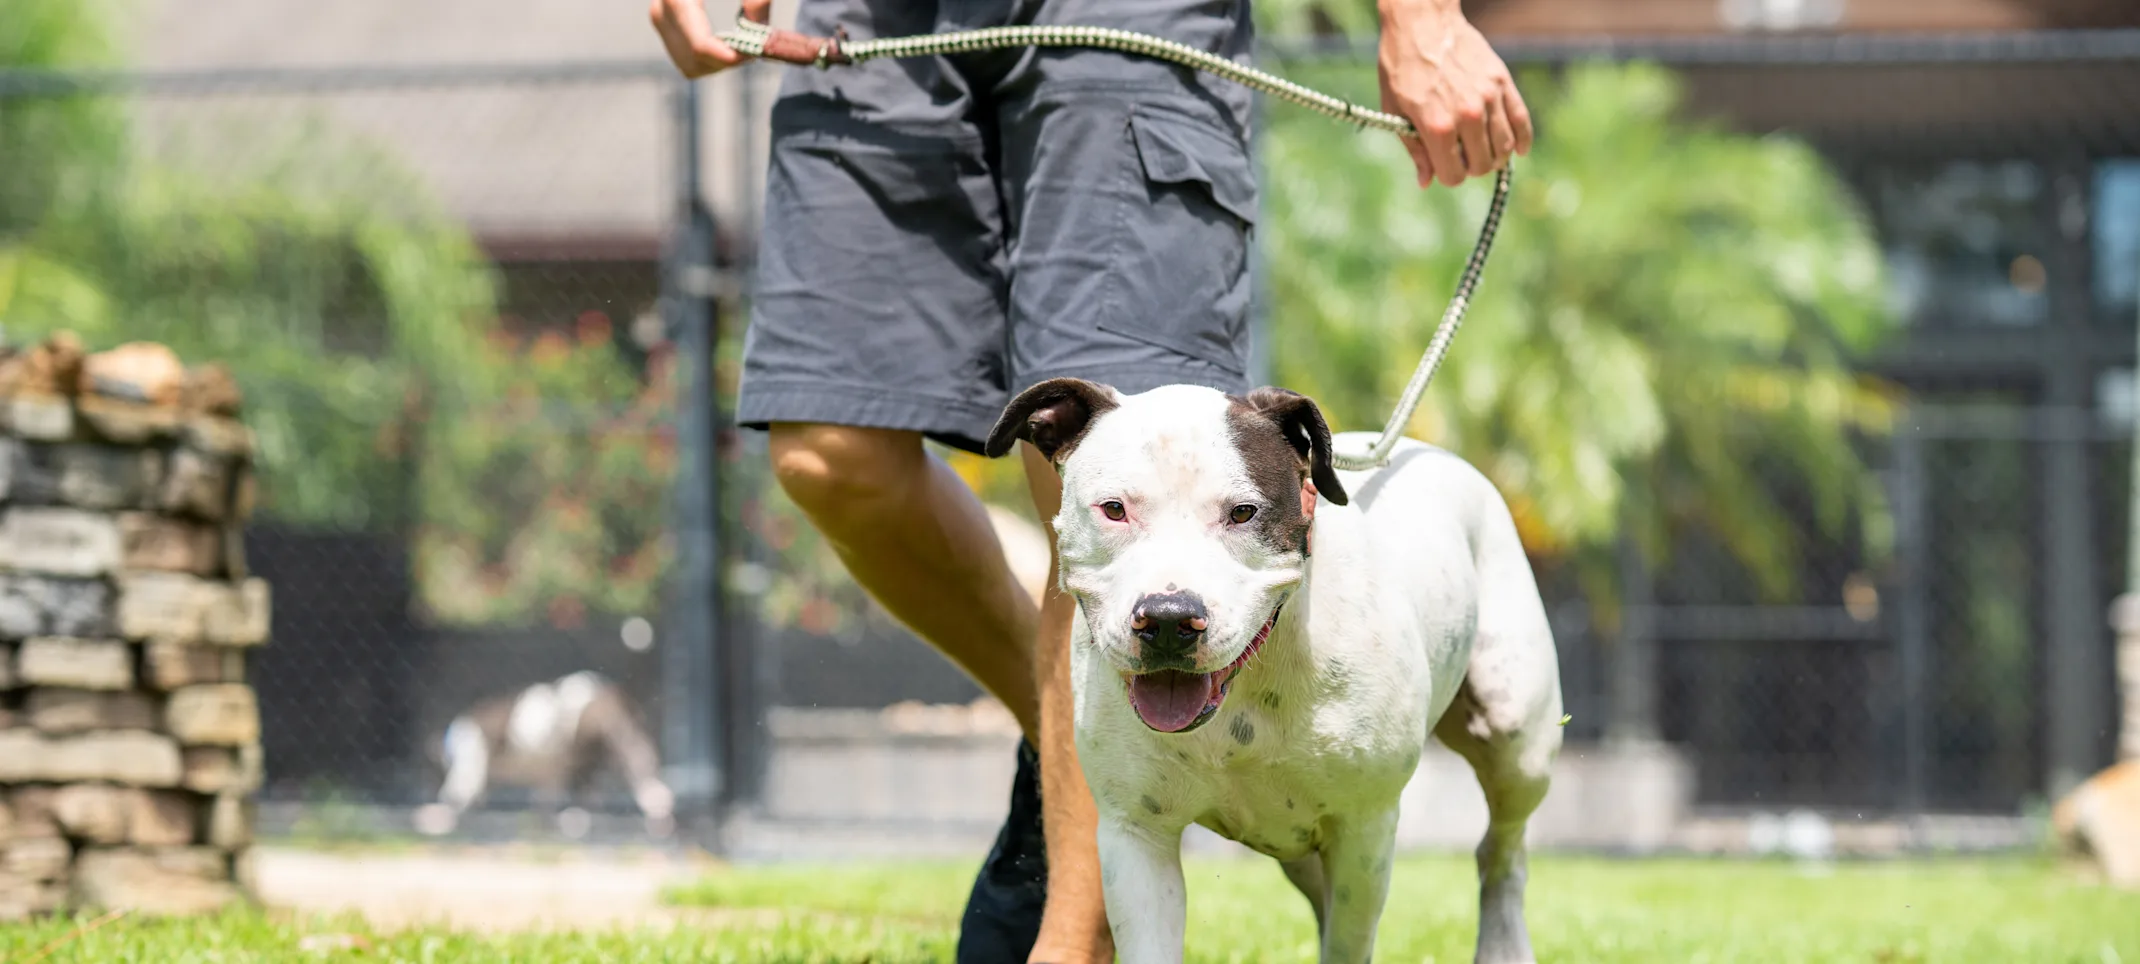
1954 656
441 291
454 297
1940 645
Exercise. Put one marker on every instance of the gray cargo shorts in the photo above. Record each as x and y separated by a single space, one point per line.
942 233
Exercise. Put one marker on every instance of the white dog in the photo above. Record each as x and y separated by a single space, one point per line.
554 735
1251 660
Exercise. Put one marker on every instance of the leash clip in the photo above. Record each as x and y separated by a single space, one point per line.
829 51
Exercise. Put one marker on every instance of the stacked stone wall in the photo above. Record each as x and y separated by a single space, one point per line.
129 734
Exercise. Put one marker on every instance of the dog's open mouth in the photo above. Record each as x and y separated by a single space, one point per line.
1175 701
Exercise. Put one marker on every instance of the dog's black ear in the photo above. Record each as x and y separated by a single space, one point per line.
1301 421
1052 415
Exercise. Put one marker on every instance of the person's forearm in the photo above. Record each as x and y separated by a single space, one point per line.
1426 27
1392 9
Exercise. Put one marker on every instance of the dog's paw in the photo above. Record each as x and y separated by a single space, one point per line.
434 820
574 823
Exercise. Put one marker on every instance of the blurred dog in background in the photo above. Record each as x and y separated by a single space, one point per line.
554 737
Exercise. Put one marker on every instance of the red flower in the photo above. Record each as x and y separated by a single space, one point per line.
594 329
567 612
549 347
817 616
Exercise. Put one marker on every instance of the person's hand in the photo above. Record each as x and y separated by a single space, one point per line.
690 39
1439 73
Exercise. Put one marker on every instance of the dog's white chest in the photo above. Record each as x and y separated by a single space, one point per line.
1275 768
1324 765
1278 811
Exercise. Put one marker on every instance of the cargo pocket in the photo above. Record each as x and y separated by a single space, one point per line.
1182 264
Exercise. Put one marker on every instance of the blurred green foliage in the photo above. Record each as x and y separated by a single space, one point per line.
1662 344
553 498
1663 339
57 150
361 321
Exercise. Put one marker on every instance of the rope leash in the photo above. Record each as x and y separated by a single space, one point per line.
787 46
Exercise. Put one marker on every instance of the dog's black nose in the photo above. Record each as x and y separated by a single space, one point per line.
1170 624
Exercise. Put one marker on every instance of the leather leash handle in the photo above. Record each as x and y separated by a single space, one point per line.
788 46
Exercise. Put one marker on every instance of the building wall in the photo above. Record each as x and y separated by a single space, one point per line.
546 169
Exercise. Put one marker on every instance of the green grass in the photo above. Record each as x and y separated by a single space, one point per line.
252 937
1582 910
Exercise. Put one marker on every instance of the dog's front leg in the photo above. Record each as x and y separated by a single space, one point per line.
1140 876
1356 862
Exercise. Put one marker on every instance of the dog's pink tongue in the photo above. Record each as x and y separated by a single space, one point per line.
1170 700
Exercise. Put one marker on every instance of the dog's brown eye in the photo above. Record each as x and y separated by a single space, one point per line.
1113 510
1242 513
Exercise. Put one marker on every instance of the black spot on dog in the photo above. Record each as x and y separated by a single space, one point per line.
1299 424
1243 731
1270 700
1150 805
1284 442
1344 894
1052 415
1289 803
1338 674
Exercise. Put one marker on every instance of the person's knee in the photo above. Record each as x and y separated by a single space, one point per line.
839 473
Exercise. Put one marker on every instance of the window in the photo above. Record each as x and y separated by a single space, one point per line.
1965 241
2114 229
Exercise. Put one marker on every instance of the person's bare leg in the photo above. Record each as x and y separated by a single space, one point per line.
1073 928
914 536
